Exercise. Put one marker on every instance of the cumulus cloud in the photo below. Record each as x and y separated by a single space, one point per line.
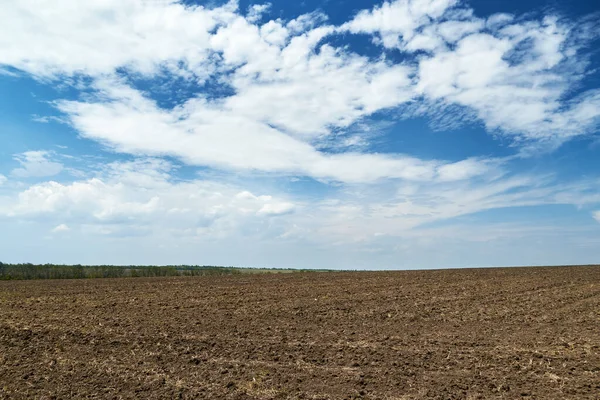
36 164
514 91
398 20
142 193
515 76
255 11
101 36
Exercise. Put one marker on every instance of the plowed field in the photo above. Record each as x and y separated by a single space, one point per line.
455 334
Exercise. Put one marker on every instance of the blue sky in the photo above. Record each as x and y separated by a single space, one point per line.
314 134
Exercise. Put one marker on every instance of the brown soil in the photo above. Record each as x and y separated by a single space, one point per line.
456 334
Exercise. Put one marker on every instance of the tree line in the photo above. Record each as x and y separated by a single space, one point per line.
57 271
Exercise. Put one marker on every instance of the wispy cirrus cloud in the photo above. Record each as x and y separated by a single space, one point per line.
409 210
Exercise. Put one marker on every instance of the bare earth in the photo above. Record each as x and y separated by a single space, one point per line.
456 334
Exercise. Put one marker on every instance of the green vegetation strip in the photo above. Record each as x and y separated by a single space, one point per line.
53 271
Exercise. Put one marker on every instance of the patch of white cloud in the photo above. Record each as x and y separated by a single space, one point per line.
142 194
255 11
142 197
515 76
306 22
61 228
47 119
36 164
287 80
519 98
399 20
498 20
276 209
3 179
466 169
201 133
452 31
408 210
52 38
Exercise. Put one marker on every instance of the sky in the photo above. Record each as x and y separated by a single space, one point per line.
406 134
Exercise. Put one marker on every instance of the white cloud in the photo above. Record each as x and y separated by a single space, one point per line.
47 119
306 22
452 31
466 169
61 228
520 98
202 133
3 179
410 209
276 209
514 76
142 194
398 20
142 198
498 20
36 164
255 11
51 38
596 215
273 32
